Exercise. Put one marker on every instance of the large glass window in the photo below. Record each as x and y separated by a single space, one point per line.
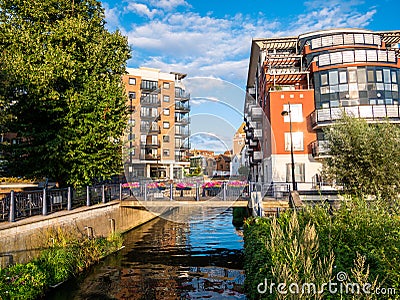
343 76
298 141
296 112
324 79
333 77
299 172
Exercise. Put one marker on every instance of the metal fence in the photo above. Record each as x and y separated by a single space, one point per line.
18 205
190 189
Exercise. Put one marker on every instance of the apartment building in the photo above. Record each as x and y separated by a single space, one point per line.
157 138
299 85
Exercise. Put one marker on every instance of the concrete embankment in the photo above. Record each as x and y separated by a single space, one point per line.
23 240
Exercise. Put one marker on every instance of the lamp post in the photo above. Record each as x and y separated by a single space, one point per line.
289 113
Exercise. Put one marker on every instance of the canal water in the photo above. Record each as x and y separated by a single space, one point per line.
201 259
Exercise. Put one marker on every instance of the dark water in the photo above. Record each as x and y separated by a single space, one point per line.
167 260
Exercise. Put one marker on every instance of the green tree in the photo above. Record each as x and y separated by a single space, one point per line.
61 76
363 157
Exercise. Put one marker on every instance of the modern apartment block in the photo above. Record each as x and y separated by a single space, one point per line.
157 142
315 77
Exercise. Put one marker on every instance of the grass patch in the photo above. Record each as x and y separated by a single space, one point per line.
65 257
361 239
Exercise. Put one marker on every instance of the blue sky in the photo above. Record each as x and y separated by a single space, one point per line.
212 39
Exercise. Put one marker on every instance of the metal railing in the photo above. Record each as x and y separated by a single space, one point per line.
186 189
18 205
370 112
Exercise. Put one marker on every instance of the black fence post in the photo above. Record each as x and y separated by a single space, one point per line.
12 207
69 199
171 191
44 202
197 192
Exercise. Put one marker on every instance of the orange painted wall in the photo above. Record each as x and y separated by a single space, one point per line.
279 127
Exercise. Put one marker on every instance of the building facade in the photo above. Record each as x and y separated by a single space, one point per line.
297 86
157 136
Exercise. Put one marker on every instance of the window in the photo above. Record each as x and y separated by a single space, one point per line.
166 98
149 85
298 144
324 79
132 81
166 85
296 112
166 111
333 77
166 152
165 124
379 76
343 77
299 172
132 95
166 138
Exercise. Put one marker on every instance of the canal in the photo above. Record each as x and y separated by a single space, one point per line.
200 259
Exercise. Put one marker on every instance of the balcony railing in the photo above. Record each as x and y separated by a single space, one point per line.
146 101
182 95
149 157
150 144
148 116
184 133
182 107
182 121
325 116
319 149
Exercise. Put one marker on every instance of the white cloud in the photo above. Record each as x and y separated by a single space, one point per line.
169 4
204 45
112 16
142 9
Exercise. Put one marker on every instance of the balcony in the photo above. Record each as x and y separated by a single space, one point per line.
154 130
148 85
319 149
182 133
183 147
179 106
254 112
183 121
149 157
149 101
375 113
179 158
150 145
182 96
149 117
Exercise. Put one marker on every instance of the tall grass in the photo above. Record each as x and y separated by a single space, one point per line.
66 256
361 238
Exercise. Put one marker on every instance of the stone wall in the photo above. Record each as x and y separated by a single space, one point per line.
23 240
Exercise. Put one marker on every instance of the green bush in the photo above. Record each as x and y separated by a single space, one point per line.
65 258
361 238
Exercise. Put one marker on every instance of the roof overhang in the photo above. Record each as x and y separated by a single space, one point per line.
258 45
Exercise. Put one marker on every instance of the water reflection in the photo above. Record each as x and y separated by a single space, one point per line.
167 260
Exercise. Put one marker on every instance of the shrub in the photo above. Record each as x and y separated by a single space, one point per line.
361 238
64 258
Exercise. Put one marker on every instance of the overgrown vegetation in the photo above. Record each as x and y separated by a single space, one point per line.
66 257
361 239
362 157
